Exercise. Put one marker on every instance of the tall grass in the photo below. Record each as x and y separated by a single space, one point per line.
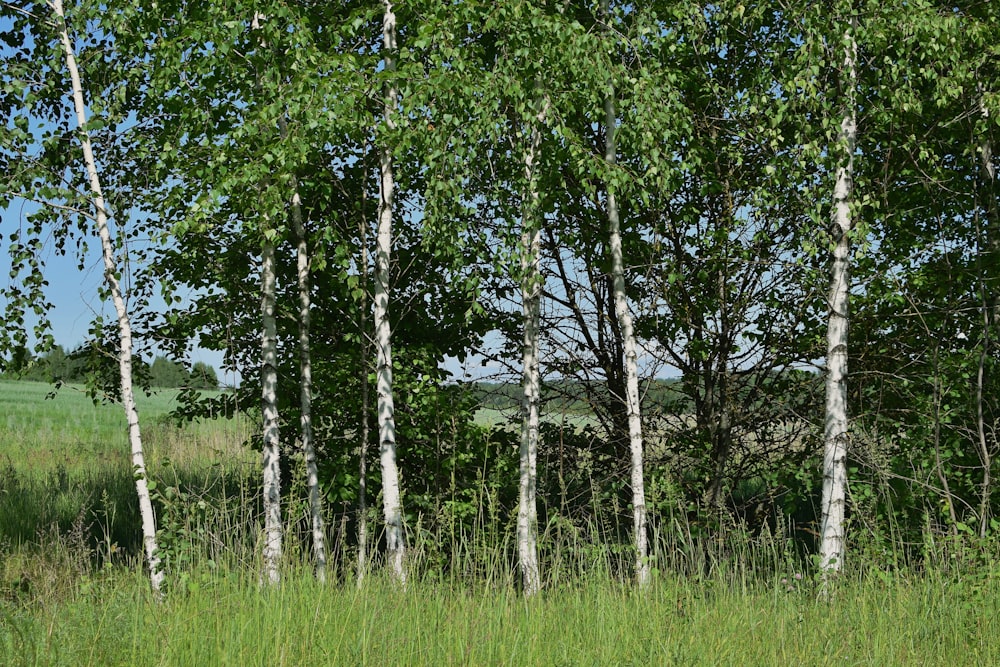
72 591
66 484
229 620
750 602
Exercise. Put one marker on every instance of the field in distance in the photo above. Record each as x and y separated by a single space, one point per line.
42 430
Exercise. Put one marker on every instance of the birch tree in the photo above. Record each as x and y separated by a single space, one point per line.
364 339
928 288
305 371
271 447
271 452
305 388
111 280
836 423
642 570
988 193
391 502
531 290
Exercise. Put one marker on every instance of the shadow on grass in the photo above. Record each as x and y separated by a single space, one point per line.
95 512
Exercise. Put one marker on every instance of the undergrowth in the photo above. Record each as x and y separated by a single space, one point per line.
110 619
73 588
72 595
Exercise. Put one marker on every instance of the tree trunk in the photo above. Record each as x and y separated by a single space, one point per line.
836 431
305 389
720 424
124 324
305 374
615 371
642 570
721 431
363 448
271 452
990 197
937 394
395 545
531 288
271 446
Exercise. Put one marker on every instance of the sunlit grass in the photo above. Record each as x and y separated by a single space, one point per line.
230 620
43 431
66 477
73 590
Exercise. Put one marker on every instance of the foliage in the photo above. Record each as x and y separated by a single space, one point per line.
726 115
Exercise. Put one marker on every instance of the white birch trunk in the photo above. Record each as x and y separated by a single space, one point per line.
305 390
305 374
531 288
124 325
392 506
642 571
271 451
363 449
836 432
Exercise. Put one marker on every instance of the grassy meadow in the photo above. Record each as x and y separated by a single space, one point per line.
231 621
73 592
43 430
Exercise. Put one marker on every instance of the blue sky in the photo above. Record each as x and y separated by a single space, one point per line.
73 293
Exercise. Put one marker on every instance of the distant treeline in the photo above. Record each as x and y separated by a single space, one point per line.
58 365
572 396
